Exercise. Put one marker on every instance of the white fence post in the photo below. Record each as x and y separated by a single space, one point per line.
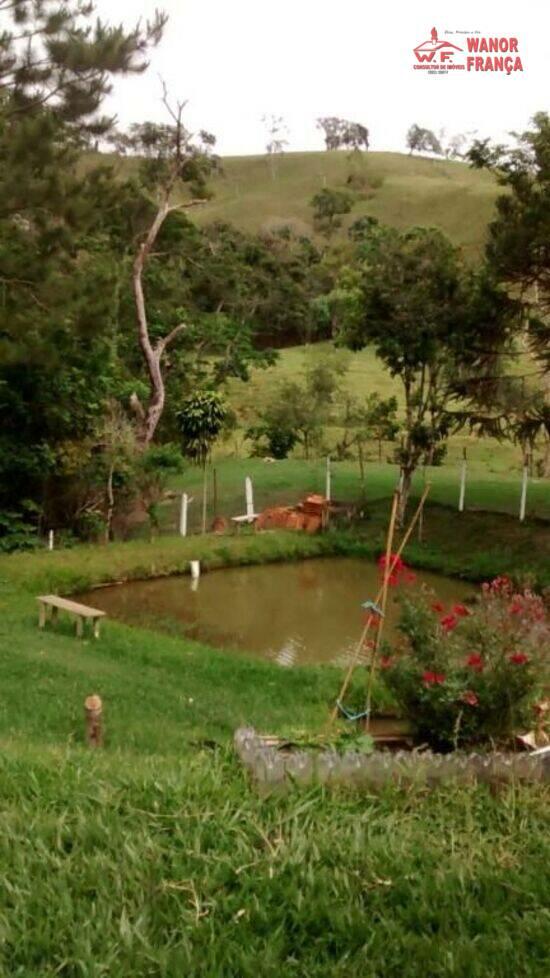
50 540
249 493
523 501
183 514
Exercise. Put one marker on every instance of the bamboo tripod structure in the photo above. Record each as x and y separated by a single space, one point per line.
388 571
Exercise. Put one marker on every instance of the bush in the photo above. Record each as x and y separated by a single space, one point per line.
469 676
273 441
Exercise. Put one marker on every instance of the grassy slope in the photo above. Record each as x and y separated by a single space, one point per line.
155 858
411 191
365 375
406 191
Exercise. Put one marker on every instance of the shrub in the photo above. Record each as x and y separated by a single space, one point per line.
469 675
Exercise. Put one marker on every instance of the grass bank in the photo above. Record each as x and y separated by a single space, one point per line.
162 867
154 858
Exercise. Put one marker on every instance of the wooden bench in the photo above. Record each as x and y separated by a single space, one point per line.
81 612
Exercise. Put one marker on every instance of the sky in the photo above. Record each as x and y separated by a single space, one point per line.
238 60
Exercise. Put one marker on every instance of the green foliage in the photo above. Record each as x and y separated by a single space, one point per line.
201 419
470 676
328 207
299 410
517 248
343 134
421 140
432 323
272 440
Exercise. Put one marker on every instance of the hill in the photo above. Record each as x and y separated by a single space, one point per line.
397 189
255 192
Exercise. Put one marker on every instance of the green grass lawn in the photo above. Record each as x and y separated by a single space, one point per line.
155 857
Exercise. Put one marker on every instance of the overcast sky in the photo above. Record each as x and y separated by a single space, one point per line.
235 60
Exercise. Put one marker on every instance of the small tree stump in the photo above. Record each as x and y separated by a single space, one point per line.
93 711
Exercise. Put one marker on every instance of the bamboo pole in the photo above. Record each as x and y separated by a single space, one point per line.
370 619
388 570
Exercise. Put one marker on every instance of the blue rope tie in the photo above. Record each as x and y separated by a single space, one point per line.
351 716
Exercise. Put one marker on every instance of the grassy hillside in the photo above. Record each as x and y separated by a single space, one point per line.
400 190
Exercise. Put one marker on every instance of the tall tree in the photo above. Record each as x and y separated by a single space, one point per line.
174 160
56 66
518 247
276 139
431 321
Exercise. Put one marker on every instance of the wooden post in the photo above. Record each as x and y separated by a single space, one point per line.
361 466
183 514
93 712
41 615
462 482
523 500
215 490
50 540
79 626
204 498
328 481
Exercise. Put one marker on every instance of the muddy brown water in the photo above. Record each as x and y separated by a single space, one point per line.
291 613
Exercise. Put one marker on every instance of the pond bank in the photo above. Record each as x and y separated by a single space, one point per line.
472 546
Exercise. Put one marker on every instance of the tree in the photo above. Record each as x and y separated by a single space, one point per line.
421 140
328 206
343 134
56 369
430 320
380 419
518 254
518 248
201 419
300 410
276 139
172 158
53 58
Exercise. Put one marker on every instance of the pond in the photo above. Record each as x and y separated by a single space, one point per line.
290 613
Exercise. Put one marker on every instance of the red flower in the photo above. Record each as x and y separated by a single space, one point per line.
433 678
460 610
438 607
386 662
449 622
396 563
475 662
516 606
469 697
410 577
519 658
